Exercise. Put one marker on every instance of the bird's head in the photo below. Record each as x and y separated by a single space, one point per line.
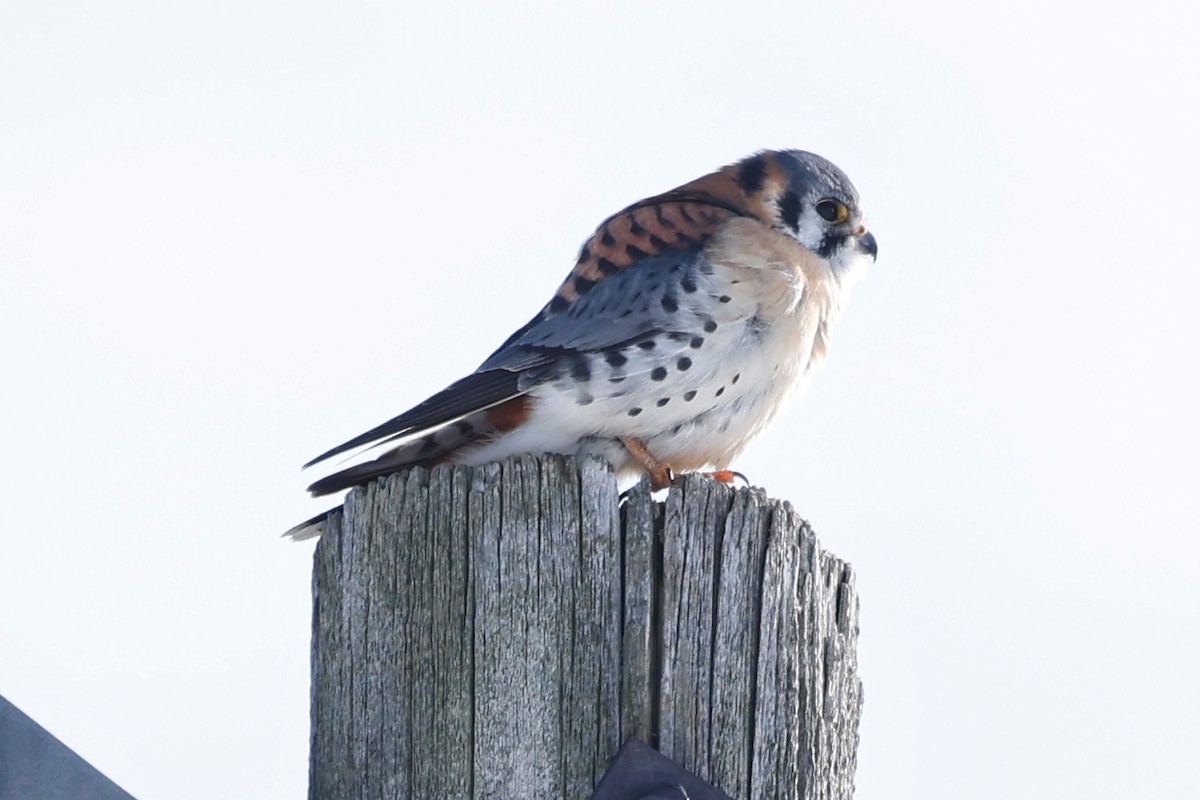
808 198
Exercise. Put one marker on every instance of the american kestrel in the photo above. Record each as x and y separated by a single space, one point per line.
687 321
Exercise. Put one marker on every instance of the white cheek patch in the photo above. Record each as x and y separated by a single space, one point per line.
847 263
849 266
811 229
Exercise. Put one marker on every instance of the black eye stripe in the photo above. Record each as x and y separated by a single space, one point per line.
828 245
789 209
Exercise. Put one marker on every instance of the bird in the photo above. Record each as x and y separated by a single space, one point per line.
688 321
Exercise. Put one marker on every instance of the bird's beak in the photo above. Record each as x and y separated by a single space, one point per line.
866 243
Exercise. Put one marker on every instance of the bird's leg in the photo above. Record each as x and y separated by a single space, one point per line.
661 475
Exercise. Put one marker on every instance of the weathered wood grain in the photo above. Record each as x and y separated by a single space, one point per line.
498 631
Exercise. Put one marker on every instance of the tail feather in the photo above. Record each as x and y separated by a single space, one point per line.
475 392
432 448
310 528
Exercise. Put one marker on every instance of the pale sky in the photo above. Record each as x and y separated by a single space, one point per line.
233 234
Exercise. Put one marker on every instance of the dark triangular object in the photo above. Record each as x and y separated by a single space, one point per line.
36 766
639 772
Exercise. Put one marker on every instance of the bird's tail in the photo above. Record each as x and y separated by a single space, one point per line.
429 450
310 528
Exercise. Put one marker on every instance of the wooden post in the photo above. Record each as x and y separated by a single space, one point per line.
499 631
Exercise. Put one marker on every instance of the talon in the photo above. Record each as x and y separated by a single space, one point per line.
662 477
661 474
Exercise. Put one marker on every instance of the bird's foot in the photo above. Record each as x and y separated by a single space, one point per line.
728 476
661 474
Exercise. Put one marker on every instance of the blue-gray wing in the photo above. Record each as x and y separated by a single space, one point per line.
645 300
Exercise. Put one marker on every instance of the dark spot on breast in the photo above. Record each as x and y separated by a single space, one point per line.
751 174
614 358
606 238
647 344
634 227
736 378
662 401
710 326
724 298
607 267
696 342
720 392
688 284
580 370
755 327
584 285
684 364
633 412
789 210
658 373
558 304
689 396
584 399
670 304
616 379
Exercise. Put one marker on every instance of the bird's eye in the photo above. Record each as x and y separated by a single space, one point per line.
833 211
